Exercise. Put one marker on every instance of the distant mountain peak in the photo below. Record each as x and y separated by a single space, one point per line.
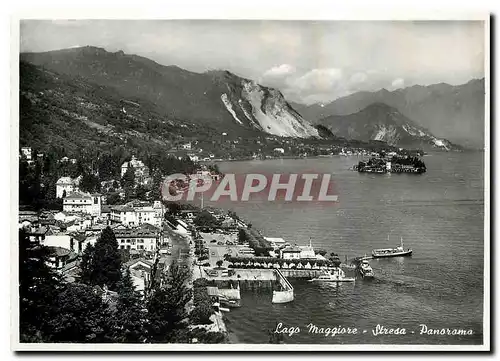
381 122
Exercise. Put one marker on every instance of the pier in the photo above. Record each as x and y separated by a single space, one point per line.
252 279
286 294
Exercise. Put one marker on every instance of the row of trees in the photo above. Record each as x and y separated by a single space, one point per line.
255 241
202 304
259 262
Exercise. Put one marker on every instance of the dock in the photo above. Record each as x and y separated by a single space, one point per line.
252 279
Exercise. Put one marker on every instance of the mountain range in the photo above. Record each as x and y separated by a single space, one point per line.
452 112
220 101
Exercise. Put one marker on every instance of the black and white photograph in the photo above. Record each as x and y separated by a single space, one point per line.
251 184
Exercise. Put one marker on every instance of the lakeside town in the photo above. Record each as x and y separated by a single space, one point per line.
117 242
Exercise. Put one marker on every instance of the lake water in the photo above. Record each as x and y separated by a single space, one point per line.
439 215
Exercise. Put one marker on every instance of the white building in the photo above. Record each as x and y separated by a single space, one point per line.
279 150
136 214
307 252
26 152
140 170
72 242
186 146
145 237
78 202
292 252
67 184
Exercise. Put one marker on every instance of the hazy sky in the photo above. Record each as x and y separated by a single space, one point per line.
309 61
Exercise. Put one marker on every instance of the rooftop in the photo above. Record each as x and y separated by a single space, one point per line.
274 240
67 180
138 260
145 230
79 195
292 249
58 251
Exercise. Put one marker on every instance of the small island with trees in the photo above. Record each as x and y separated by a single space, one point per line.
391 163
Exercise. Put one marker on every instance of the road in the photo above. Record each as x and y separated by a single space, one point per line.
180 248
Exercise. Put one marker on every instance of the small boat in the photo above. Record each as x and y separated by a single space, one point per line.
392 252
337 275
224 301
365 269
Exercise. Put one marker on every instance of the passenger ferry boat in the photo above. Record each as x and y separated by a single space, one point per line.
392 252
337 275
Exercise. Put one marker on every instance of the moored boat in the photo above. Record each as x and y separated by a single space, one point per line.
336 275
365 270
398 251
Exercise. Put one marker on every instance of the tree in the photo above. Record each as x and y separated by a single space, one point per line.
81 316
206 219
101 264
113 198
167 307
108 166
90 183
173 208
128 179
201 314
38 289
87 265
204 336
140 192
243 236
219 263
128 322
321 252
